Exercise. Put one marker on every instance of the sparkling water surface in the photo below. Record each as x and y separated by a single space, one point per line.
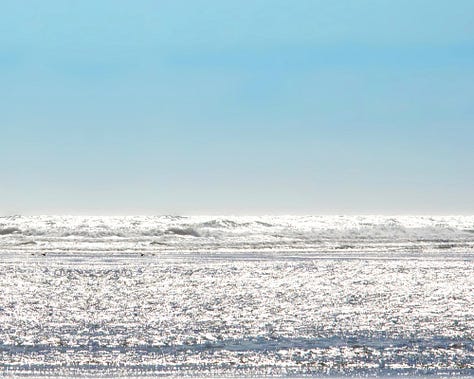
236 296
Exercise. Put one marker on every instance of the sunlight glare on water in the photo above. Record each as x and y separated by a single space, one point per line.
238 296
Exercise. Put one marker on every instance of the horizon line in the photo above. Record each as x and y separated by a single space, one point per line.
220 215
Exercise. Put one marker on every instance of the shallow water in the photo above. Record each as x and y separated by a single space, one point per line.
236 296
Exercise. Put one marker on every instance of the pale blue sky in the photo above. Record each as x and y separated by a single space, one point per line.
247 106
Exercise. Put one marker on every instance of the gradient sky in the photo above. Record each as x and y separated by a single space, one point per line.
239 106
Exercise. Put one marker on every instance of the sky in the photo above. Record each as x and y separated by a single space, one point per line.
236 107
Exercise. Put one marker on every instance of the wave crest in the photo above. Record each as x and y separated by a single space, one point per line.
184 232
10 230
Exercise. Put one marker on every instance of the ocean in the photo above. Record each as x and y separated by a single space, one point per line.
236 296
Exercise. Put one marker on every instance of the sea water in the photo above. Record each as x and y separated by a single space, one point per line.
236 296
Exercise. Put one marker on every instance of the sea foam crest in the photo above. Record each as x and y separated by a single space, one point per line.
295 227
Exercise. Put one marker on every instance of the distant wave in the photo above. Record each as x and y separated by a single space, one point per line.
220 223
27 243
184 232
9 230
285 229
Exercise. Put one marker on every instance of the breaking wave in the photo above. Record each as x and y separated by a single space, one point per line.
5 231
183 232
265 229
